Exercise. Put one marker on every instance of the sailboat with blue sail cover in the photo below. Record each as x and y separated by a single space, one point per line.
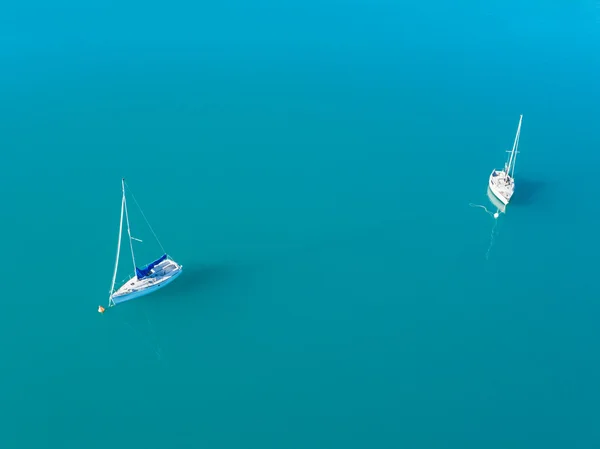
147 279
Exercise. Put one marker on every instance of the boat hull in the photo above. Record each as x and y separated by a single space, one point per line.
118 298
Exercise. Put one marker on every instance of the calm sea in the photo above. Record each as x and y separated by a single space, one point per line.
311 165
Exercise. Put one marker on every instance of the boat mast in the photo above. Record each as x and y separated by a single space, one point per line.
127 219
112 286
513 154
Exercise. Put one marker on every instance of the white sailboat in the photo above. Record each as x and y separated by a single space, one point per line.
502 182
148 279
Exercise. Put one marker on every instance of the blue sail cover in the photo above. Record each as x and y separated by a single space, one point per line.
142 272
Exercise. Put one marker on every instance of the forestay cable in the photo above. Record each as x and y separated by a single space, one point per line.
146 220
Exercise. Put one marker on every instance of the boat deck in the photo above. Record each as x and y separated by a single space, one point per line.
161 274
501 185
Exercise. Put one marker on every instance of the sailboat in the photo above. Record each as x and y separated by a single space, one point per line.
147 279
502 182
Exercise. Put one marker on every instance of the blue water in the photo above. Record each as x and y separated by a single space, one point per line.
311 165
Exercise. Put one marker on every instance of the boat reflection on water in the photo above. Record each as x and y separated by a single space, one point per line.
500 207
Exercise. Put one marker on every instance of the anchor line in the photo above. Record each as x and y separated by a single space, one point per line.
492 234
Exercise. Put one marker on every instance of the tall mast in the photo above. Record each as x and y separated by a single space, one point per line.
514 162
127 219
513 153
112 285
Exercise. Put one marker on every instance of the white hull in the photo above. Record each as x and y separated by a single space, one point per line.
162 275
502 186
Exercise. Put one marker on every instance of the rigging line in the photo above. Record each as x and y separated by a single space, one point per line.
112 286
147 222
483 207
492 234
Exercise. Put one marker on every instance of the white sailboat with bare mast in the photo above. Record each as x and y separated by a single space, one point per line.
148 279
502 182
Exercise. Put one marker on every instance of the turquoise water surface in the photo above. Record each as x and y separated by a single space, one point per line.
311 165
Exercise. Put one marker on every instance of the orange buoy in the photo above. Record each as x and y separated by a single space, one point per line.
100 309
